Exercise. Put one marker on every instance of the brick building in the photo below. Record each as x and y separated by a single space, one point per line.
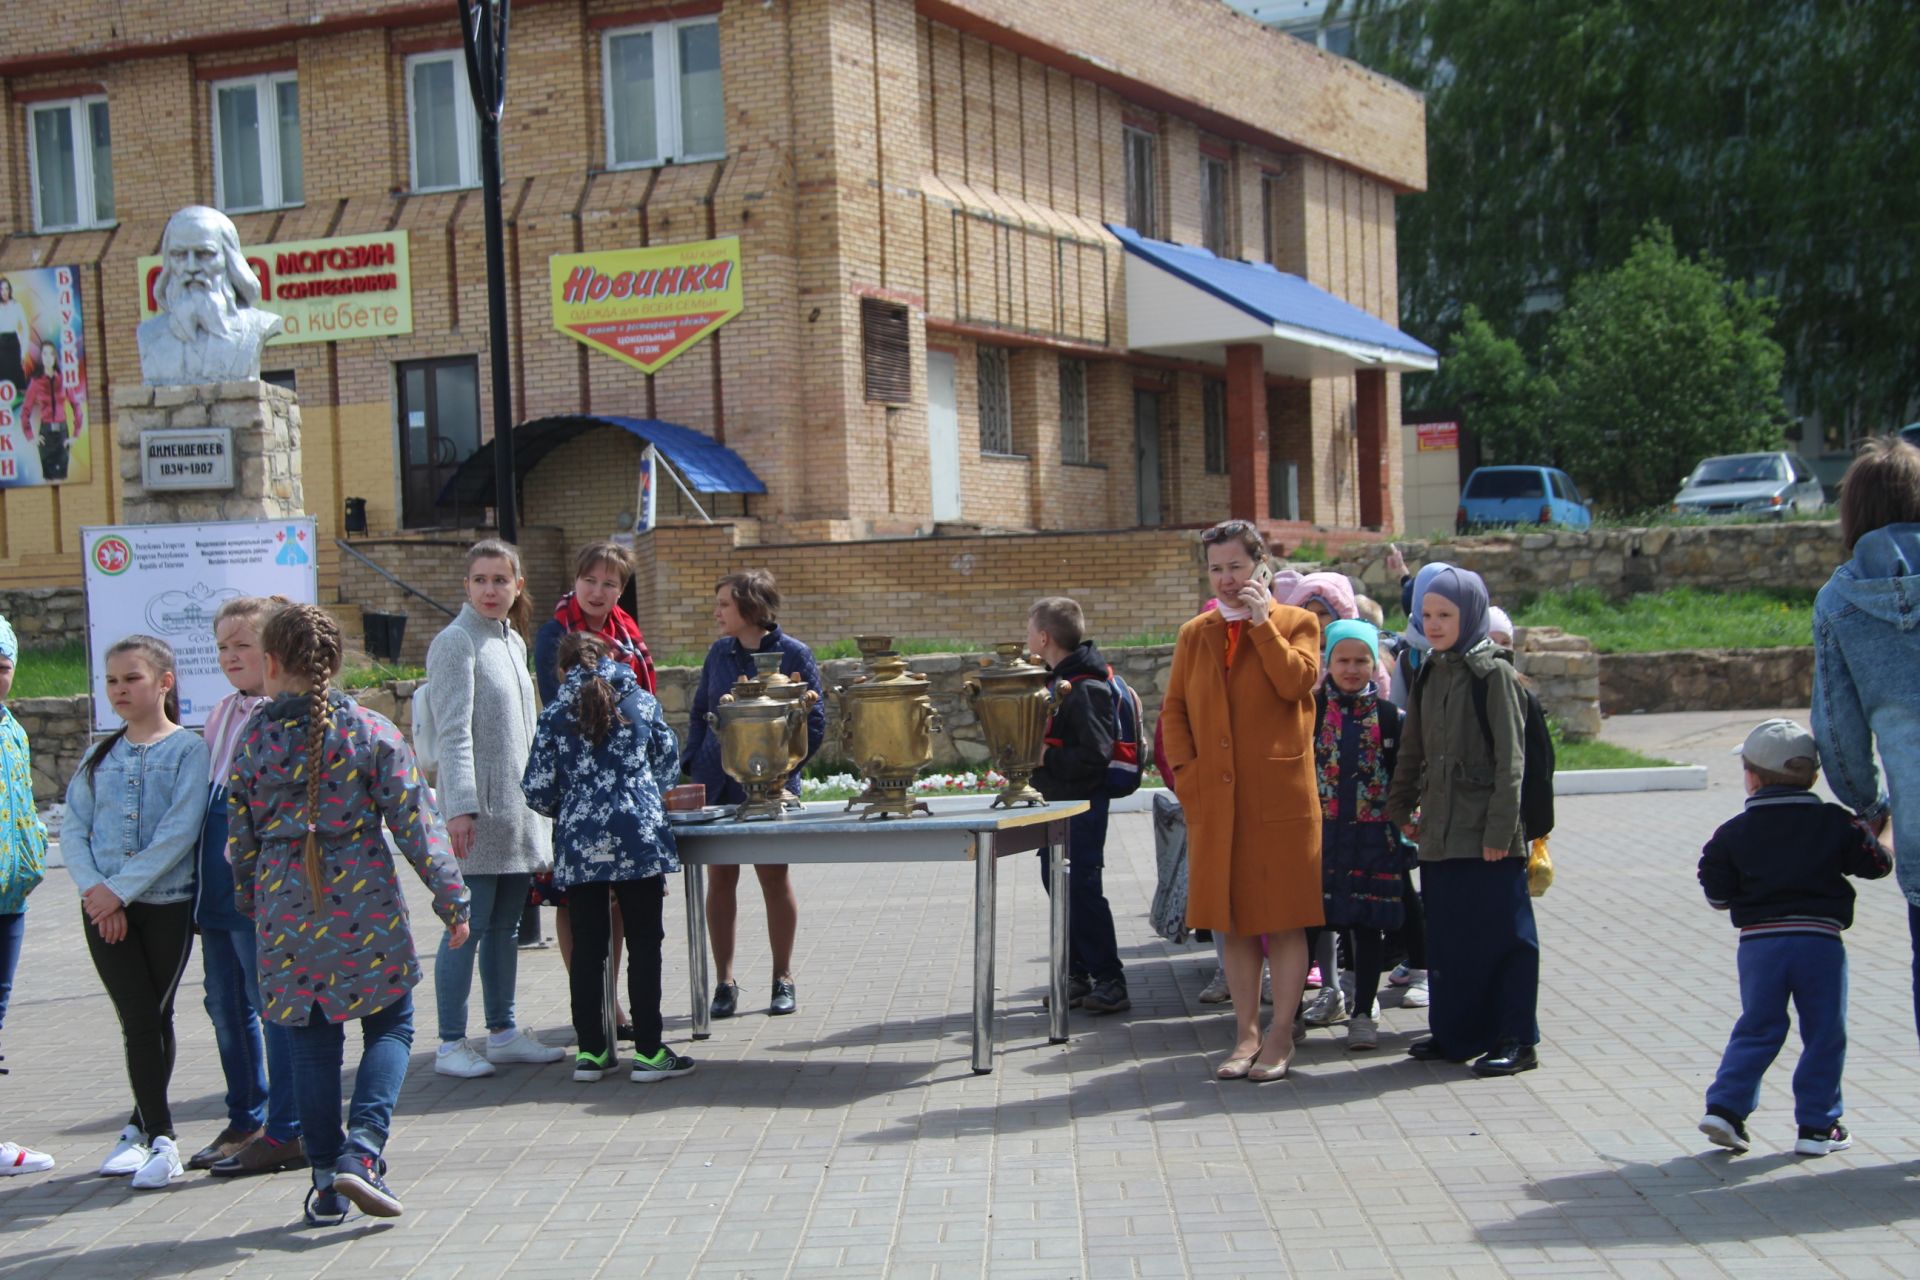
942 178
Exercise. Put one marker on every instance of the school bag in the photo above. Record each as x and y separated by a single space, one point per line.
426 743
1123 766
1536 779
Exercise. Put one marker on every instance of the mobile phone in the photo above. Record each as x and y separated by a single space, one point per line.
1263 573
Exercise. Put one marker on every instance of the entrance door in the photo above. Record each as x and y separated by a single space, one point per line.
1146 454
439 430
943 436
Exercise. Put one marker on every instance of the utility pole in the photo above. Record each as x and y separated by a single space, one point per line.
483 29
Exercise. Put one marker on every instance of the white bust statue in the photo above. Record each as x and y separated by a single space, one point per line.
210 327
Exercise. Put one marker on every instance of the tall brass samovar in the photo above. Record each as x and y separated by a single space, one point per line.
756 743
1014 699
886 725
787 688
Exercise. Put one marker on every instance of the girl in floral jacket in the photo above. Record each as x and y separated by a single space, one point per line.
1356 739
602 757
312 781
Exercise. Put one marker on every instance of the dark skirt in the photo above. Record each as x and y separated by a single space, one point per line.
1361 865
1483 954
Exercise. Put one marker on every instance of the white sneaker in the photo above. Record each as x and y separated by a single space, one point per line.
457 1059
1362 1033
1215 992
163 1166
127 1156
1328 1008
16 1159
1414 994
523 1048
1402 975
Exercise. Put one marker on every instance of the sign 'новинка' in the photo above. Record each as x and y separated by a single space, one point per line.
646 306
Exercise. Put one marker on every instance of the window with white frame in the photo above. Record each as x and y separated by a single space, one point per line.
256 143
1213 416
1142 200
1216 217
444 128
662 88
1073 411
70 153
996 401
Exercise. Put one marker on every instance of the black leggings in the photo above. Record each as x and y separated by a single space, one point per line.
1411 936
641 905
1365 951
141 973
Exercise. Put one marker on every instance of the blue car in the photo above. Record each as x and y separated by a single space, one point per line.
1520 496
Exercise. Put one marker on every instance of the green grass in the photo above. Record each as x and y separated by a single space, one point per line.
1682 618
1595 754
61 672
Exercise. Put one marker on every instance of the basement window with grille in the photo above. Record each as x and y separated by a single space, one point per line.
996 401
886 351
1073 411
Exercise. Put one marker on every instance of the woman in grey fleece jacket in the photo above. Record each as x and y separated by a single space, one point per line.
481 697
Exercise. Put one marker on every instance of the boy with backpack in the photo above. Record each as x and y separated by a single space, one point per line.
1085 742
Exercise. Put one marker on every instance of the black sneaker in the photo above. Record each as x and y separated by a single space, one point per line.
726 1000
1725 1131
588 1067
784 1001
326 1208
1816 1141
361 1179
1109 995
665 1064
1079 987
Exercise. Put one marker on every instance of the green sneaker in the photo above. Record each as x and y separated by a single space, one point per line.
588 1067
664 1064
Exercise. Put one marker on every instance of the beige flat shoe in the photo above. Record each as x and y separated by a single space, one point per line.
1234 1069
1261 1072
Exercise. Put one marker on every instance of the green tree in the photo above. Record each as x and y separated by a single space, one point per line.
1500 399
1655 365
1780 136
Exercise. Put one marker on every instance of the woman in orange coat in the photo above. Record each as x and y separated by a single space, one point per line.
1238 717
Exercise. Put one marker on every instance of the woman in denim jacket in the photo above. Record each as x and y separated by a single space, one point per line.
1866 638
132 825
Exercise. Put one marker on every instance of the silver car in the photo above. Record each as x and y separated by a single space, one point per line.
1750 484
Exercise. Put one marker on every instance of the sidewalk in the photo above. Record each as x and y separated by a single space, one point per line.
851 1140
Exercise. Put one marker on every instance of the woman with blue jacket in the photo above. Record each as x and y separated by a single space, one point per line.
1866 638
744 609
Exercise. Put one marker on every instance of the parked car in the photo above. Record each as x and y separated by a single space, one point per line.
1750 484
1521 495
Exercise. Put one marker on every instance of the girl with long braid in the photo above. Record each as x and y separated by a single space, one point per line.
312 782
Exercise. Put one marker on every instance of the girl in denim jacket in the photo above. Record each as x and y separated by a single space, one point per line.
132 824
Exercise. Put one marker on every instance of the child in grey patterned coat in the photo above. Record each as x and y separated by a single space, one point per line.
601 759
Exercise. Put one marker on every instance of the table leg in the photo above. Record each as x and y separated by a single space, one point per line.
696 887
1057 934
985 882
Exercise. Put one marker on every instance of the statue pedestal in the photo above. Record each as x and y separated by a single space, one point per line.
236 455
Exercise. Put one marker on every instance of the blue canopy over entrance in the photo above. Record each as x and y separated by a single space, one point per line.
703 462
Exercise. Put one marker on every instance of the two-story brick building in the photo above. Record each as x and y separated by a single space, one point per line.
1001 264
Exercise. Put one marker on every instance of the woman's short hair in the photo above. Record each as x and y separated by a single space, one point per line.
604 552
754 595
1061 619
1243 531
1882 487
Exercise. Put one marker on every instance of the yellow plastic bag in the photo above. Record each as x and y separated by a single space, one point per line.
1539 868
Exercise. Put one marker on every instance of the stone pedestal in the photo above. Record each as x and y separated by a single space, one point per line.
265 420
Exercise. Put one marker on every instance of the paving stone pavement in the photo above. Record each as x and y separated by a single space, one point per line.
852 1140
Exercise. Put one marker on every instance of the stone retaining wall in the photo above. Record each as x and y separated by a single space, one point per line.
1518 566
45 616
1706 680
58 731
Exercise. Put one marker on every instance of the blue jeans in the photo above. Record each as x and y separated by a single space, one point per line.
1913 931
319 1050
497 901
13 928
1812 972
1093 950
255 1058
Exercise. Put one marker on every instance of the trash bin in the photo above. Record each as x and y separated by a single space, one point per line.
384 633
356 521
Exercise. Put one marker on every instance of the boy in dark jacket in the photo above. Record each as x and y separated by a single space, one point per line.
1079 746
1780 868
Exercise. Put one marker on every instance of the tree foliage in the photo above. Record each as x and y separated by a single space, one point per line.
1780 136
1488 379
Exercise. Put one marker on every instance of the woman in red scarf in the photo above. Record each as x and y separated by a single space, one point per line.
600 575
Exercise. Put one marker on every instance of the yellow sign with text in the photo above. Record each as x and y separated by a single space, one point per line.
326 290
646 306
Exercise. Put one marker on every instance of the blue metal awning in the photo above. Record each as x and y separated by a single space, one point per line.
703 462
1185 301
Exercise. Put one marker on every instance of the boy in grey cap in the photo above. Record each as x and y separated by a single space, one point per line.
1780 869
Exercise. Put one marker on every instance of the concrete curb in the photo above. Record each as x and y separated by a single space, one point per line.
1606 782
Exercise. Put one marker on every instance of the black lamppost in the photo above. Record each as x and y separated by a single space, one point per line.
483 29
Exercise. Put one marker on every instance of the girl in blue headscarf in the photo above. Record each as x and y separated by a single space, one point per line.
1457 794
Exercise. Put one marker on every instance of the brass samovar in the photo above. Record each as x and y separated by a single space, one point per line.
1014 699
886 729
756 743
788 688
